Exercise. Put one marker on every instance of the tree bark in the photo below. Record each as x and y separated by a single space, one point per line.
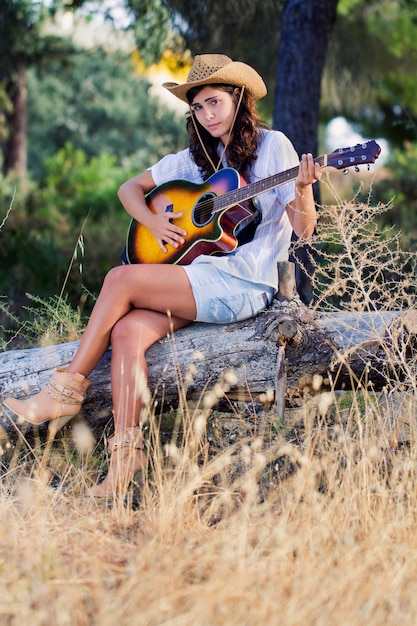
307 25
15 149
283 352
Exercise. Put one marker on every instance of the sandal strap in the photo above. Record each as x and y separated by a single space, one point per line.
63 394
131 438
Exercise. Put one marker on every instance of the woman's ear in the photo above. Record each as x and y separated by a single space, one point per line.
236 94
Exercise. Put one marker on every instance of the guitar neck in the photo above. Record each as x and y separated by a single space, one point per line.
251 190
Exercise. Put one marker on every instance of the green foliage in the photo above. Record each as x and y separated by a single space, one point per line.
370 76
19 30
6 108
52 321
40 247
400 187
344 7
78 186
22 41
27 248
98 102
151 28
47 321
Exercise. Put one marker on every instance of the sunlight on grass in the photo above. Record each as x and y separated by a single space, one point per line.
245 516
324 526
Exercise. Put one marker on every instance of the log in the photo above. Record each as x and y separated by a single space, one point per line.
285 351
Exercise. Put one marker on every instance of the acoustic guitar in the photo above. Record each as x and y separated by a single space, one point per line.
217 213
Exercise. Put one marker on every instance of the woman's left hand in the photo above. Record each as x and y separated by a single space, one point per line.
309 171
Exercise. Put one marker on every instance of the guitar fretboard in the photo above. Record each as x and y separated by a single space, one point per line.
230 198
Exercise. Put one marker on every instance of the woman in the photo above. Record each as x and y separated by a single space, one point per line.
140 304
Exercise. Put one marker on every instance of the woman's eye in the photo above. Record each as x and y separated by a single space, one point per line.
195 107
214 101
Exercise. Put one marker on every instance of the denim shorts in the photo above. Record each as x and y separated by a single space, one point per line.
222 298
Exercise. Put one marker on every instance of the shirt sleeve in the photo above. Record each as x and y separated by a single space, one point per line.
283 155
179 166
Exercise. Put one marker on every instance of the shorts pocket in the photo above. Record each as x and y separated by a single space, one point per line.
223 311
237 308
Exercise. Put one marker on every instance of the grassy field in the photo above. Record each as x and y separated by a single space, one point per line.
246 519
313 524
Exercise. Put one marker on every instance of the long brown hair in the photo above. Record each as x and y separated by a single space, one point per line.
243 145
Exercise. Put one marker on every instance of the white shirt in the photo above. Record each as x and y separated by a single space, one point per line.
257 260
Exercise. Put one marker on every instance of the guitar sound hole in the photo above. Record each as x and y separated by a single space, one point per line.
203 210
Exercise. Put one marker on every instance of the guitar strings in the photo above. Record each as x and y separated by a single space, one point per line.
226 200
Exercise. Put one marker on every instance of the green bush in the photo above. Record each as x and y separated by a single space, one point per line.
68 230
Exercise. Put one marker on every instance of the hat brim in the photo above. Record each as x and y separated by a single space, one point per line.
234 73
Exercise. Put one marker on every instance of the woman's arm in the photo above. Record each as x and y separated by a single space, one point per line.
302 211
132 195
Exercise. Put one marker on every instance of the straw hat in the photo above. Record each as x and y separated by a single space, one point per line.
219 69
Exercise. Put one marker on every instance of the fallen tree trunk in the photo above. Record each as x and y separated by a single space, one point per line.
284 351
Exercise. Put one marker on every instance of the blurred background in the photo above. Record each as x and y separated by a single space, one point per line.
82 109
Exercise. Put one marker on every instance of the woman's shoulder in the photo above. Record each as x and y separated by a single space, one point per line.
178 165
269 136
276 147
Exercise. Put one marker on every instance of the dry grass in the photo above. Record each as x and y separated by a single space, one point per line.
312 521
233 538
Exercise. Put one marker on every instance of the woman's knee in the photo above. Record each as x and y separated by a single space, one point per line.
126 330
140 328
115 276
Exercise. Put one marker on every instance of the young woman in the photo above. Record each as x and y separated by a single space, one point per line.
142 303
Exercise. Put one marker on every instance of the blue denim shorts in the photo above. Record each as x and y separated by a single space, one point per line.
222 298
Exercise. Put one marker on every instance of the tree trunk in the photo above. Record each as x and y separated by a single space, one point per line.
15 149
284 352
307 25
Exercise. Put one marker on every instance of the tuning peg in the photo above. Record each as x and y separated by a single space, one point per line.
357 168
369 166
346 171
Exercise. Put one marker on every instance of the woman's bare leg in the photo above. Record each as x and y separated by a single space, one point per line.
130 339
131 312
159 288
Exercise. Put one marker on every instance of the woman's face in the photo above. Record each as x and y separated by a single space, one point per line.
215 110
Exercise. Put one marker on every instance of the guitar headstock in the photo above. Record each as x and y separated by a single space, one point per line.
360 154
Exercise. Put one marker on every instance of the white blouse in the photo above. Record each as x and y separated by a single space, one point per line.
256 260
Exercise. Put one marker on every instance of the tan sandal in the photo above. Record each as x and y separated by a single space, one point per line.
59 401
126 459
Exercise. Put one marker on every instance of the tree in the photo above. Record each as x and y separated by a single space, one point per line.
18 31
306 27
22 45
99 103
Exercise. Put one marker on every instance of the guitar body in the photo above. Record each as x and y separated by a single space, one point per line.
208 232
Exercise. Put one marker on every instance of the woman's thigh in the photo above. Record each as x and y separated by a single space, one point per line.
156 287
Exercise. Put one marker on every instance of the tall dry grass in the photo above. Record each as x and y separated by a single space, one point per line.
310 521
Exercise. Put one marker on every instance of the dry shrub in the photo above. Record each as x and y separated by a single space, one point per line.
359 266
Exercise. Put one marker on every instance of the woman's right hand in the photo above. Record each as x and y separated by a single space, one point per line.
165 231
162 225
